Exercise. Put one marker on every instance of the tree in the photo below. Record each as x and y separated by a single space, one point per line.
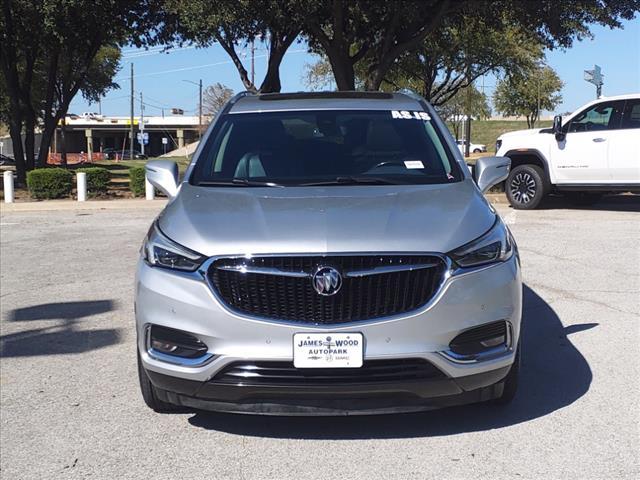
52 49
528 94
234 24
448 59
377 34
466 101
214 97
455 56
348 31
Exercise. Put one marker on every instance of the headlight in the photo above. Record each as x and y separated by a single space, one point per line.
160 251
494 246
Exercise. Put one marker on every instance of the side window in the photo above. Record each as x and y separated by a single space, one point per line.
602 116
631 116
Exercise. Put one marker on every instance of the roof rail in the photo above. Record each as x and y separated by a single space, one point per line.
338 94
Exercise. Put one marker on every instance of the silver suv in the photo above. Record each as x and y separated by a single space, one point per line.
326 254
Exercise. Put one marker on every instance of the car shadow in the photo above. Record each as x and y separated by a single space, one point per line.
613 203
554 374
61 337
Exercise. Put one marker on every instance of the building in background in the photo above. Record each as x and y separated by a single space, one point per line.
91 133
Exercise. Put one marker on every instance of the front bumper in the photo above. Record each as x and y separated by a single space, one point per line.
186 302
353 399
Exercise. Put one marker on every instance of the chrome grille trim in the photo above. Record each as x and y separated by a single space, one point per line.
406 288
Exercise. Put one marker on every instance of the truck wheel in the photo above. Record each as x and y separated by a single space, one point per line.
584 199
526 186
149 393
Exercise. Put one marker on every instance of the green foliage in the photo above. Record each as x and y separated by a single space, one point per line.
98 179
47 183
136 181
467 101
527 94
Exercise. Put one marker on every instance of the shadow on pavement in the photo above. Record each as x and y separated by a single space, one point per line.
61 338
613 203
554 375
61 311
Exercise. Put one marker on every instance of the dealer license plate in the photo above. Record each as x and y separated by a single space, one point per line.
327 350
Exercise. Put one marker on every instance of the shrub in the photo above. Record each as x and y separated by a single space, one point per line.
136 181
49 183
98 179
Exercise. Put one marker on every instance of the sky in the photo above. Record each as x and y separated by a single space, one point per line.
163 78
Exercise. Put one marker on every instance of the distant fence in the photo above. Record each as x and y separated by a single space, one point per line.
75 158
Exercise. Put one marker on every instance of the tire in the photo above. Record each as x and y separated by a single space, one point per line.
510 383
584 199
477 150
526 186
150 396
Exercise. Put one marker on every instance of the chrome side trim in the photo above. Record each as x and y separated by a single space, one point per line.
489 354
182 361
264 271
389 269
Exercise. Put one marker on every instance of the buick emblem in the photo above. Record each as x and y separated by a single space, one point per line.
327 281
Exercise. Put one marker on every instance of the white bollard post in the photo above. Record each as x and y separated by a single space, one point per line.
8 187
81 178
149 192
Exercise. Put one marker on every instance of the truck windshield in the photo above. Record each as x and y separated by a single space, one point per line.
306 148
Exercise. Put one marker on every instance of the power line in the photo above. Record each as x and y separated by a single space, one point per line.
146 53
183 69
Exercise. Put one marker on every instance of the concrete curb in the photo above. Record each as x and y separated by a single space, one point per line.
67 205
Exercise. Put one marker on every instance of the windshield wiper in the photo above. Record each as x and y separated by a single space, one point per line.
238 182
351 180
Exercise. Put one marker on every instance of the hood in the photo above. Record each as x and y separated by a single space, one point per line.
520 133
249 220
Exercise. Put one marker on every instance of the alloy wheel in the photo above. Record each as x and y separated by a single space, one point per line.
523 187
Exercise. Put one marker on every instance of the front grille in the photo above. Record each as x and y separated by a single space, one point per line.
293 298
284 373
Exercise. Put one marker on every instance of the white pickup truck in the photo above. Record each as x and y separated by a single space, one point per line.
594 151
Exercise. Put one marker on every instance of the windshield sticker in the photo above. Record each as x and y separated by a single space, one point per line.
411 164
407 115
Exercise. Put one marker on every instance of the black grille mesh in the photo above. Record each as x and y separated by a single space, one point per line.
295 299
284 373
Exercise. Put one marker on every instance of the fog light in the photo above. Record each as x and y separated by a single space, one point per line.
477 340
169 341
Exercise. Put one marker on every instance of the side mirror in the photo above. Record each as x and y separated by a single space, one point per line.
490 171
557 128
163 174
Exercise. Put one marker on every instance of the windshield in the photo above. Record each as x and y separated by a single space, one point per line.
306 148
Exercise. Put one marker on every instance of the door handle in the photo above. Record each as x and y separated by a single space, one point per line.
599 139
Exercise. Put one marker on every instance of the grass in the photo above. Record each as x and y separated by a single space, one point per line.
487 131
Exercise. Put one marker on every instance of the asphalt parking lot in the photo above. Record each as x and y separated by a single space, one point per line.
71 406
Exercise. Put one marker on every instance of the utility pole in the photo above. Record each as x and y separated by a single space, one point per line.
199 85
200 113
141 125
131 119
